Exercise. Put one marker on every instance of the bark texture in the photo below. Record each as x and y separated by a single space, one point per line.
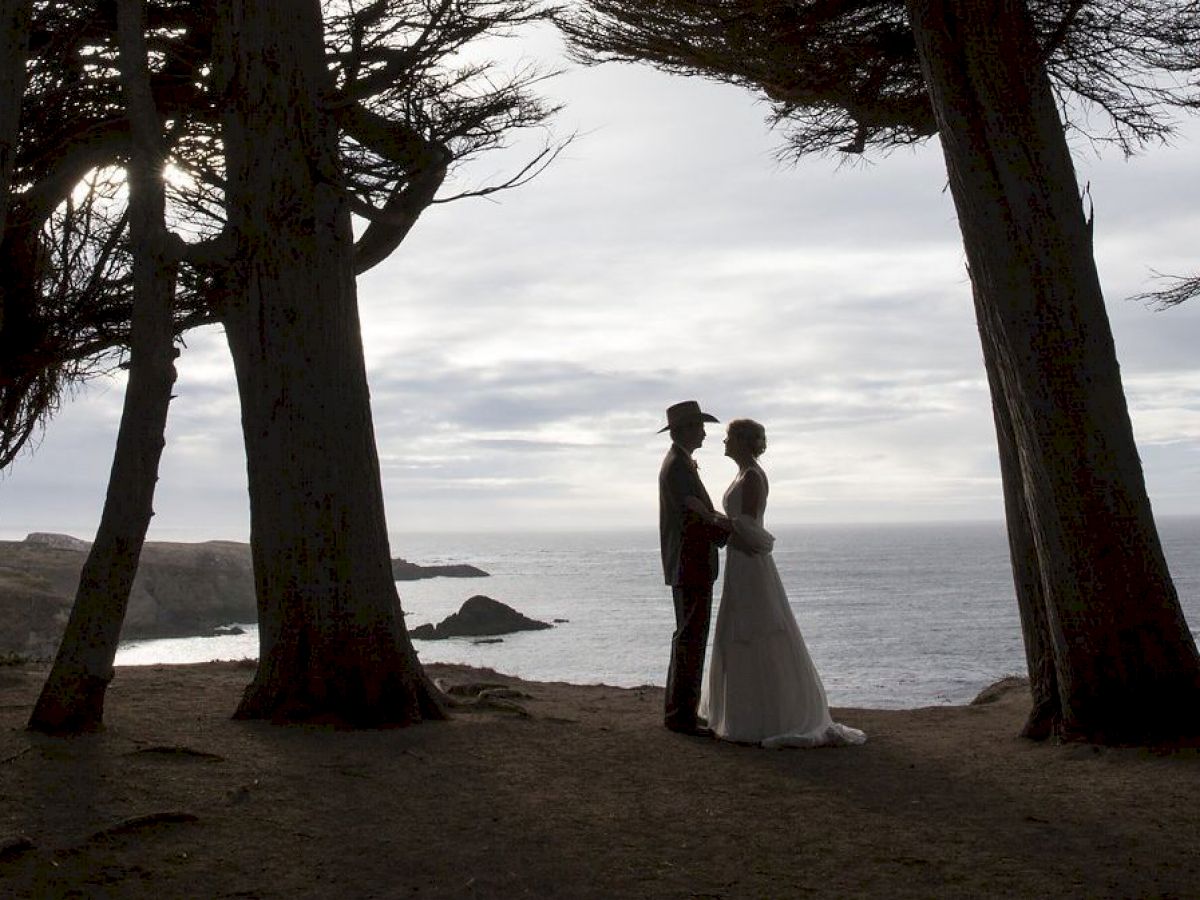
1111 657
72 699
1027 573
14 49
332 645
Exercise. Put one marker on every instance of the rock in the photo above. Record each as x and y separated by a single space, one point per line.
56 541
488 641
999 690
32 614
403 570
479 616
180 590
191 589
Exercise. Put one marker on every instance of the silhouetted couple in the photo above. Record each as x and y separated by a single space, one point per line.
762 687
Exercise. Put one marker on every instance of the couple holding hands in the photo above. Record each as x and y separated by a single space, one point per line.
761 686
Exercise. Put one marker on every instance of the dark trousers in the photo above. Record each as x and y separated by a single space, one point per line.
693 607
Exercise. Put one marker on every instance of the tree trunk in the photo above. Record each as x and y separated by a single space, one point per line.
332 645
1027 578
72 699
1124 662
14 50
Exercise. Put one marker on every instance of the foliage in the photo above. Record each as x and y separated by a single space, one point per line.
843 74
411 100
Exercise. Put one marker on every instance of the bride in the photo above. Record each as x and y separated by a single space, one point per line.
762 686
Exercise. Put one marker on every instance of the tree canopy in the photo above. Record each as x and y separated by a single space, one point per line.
410 102
844 74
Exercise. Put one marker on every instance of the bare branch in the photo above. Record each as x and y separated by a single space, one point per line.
524 175
1183 289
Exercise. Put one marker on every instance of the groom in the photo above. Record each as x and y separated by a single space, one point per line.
689 555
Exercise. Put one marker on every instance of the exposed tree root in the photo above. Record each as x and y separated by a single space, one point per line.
147 820
13 846
177 751
478 695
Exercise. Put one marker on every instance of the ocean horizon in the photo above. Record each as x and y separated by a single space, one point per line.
894 615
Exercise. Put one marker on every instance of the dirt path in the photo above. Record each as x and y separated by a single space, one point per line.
578 792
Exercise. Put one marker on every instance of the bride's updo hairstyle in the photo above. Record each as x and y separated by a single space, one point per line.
749 434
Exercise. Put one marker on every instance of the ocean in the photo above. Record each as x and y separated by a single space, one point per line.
895 616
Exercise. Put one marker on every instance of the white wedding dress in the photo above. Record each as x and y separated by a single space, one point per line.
762 686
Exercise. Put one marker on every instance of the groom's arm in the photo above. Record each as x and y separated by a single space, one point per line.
714 527
706 527
701 523
719 529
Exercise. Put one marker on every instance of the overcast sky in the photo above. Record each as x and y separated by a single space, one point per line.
522 352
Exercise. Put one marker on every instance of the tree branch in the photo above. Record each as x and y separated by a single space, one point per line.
1183 289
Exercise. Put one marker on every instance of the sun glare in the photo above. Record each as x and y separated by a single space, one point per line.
178 178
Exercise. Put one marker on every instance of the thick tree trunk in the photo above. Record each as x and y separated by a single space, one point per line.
14 50
332 645
14 47
1125 665
72 699
1027 576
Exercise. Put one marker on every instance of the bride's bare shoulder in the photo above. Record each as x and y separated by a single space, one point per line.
756 473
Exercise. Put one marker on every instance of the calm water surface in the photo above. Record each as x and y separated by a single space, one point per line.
895 616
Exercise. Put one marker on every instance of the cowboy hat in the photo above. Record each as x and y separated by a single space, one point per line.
685 413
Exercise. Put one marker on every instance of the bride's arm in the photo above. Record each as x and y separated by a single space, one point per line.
748 535
712 517
754 494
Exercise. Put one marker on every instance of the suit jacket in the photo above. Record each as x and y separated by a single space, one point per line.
689 544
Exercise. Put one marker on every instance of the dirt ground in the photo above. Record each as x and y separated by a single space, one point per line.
571 792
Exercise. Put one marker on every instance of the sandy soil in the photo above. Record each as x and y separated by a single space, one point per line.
573 792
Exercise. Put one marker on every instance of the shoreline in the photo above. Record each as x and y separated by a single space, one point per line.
1004 688
949 694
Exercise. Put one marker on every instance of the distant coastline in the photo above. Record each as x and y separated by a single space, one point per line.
181 589
399 539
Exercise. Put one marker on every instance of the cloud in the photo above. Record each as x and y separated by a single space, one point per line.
521 351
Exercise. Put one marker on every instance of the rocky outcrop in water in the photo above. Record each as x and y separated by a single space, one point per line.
403 570
478 617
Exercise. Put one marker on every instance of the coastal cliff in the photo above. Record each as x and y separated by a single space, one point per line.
180 590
